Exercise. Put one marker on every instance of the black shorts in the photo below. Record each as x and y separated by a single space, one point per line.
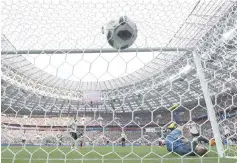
23 141
123 139
74 135
227 135
196 135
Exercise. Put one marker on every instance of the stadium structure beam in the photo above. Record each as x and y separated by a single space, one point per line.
5 39
106 50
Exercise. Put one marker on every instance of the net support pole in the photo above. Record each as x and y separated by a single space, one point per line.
209 105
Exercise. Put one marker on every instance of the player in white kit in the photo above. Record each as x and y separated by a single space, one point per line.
227 134
73 133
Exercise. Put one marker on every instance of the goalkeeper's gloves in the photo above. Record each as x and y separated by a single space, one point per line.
173 107
172 126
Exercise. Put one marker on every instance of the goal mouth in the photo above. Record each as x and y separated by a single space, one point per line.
67 95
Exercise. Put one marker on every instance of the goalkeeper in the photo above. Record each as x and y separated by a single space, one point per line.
175 143
176 116
192 125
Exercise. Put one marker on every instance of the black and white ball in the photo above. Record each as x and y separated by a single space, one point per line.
120 33
200 149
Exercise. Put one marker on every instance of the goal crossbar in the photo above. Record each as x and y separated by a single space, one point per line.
106 50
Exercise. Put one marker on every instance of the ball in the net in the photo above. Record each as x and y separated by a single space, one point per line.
120 33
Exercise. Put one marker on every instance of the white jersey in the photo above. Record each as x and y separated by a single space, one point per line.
123 135
193 128
226 130
73 127
24 137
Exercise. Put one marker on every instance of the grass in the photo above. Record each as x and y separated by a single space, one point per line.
103 154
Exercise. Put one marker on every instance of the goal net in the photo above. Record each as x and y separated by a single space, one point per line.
68 96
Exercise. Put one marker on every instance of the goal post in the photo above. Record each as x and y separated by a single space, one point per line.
210 110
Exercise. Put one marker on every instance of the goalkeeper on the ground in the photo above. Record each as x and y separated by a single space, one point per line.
176 143
193 127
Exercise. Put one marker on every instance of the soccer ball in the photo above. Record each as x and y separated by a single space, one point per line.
120 33
200 149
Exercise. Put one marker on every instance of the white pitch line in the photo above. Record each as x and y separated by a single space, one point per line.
206 158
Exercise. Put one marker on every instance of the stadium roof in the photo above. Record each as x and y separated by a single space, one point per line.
38 51
50 28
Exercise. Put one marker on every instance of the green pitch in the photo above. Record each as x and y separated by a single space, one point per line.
143 154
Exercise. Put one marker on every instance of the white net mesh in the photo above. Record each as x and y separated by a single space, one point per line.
67 96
